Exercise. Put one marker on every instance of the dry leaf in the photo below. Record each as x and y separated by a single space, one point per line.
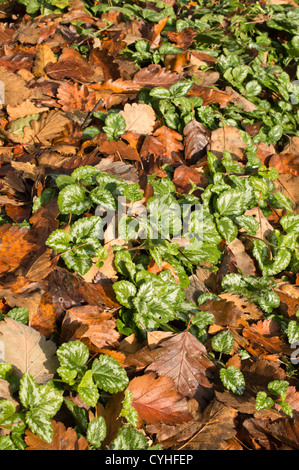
27 350
197 137
184 360
139 117
15 89
24 109
156 402
44 56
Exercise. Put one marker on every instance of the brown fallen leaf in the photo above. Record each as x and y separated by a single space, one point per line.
182 39
184 360
24 109
184 175
92 325
15 87
63 439
71 64
72 98
139 117
172 143
27 350
157 402
265 341
219 426
197 137
15 247
287 163
44 56
154 75
227 138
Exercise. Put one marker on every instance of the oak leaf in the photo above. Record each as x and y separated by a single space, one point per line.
71 64
219 426
154 75
182 39
184 360
172 143
73 98
94 326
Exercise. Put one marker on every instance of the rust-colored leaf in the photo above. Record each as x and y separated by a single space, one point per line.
157 402
72 98
185 362
71 64
183 39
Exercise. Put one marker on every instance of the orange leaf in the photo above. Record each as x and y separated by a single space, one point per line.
184 39
73 98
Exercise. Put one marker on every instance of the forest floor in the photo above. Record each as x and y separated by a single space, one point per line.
149 225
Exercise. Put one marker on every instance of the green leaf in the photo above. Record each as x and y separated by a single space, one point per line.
88 390
80 415
223 342
67 375
77 263
87 227
180 88
109 375
233 379
87 174
230 202
40 424
125 291
20 314
59 240
290 223
104 198
50 400
29 393
292 331
128 411
7 409
5 370
248 223
96 431
124 264
128 438
132 192
227 228
278 387
253 88
160 93
275 133
72 200
263 402
286 407
73 354
115 126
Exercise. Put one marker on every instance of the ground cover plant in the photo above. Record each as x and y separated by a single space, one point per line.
149 225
